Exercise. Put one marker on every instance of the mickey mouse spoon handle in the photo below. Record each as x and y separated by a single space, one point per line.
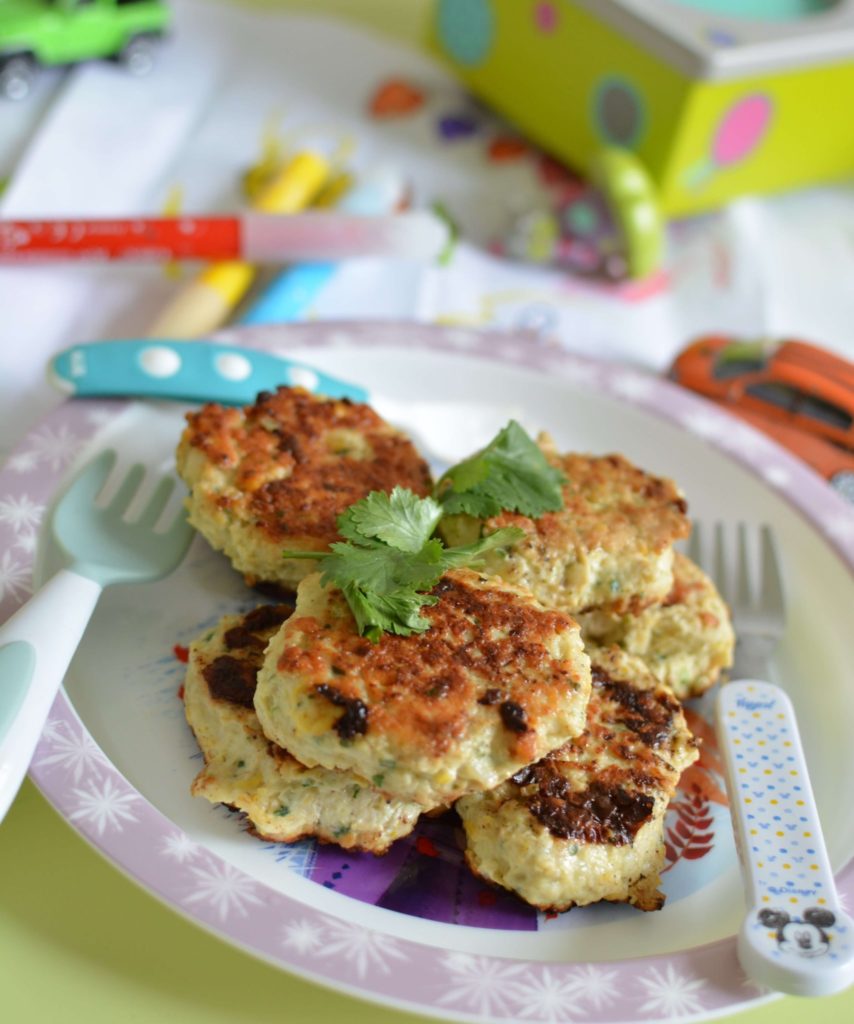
796 937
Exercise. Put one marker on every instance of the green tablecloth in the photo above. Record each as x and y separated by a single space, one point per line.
80 943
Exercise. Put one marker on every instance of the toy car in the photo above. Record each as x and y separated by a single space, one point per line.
49 32
800 394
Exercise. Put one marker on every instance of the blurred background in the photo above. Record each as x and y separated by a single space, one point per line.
621 178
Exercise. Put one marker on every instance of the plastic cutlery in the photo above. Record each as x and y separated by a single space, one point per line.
200 371
796 936
38 642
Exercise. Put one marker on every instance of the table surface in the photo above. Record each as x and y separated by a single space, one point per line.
76 935
79 939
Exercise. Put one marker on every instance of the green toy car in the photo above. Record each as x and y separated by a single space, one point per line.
48 32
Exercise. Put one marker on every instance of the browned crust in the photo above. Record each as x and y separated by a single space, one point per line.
486 639
608 503
232 677
636 725
580 795
290 434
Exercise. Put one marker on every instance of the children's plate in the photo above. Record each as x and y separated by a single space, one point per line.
414 930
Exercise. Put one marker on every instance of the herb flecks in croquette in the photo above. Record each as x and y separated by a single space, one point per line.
428 734
586 822
686 641
285 801
279 472
609 548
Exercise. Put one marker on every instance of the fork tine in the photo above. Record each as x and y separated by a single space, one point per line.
743 590
91 480
771 593
178 532
127 489
720 571
157 503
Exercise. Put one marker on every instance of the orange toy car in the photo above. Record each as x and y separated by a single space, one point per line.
802 395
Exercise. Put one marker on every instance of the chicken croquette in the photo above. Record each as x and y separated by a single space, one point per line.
278 473
496 682
586 822
610 547
284 800
685 642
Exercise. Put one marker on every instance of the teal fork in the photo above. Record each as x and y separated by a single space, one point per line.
100 547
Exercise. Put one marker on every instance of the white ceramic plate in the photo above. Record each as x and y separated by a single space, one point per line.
414 929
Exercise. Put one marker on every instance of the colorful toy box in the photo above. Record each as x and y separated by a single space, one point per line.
718 98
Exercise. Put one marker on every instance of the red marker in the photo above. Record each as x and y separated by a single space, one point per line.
299 237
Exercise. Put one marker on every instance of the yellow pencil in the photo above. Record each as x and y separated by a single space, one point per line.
207 301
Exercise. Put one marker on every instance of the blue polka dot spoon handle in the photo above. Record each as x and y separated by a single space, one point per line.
186 370
205 371
796 937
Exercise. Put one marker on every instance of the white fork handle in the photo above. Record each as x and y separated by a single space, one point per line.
796 937
36 647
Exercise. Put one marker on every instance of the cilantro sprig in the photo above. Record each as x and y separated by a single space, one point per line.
511 473
389 560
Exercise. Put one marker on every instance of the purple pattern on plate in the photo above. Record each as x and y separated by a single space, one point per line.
423 875
360 875
89 791
434 882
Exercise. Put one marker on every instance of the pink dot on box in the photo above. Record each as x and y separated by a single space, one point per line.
545 16
741 129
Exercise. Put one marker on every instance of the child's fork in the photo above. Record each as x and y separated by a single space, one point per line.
38 642
796 937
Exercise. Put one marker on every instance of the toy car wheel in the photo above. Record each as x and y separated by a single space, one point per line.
139 55
843 482
16 76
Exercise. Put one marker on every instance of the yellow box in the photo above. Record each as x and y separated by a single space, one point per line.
718 98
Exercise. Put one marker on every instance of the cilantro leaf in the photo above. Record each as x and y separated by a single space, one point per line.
471 555
389 562
383 569
509 474
398 613
400 519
